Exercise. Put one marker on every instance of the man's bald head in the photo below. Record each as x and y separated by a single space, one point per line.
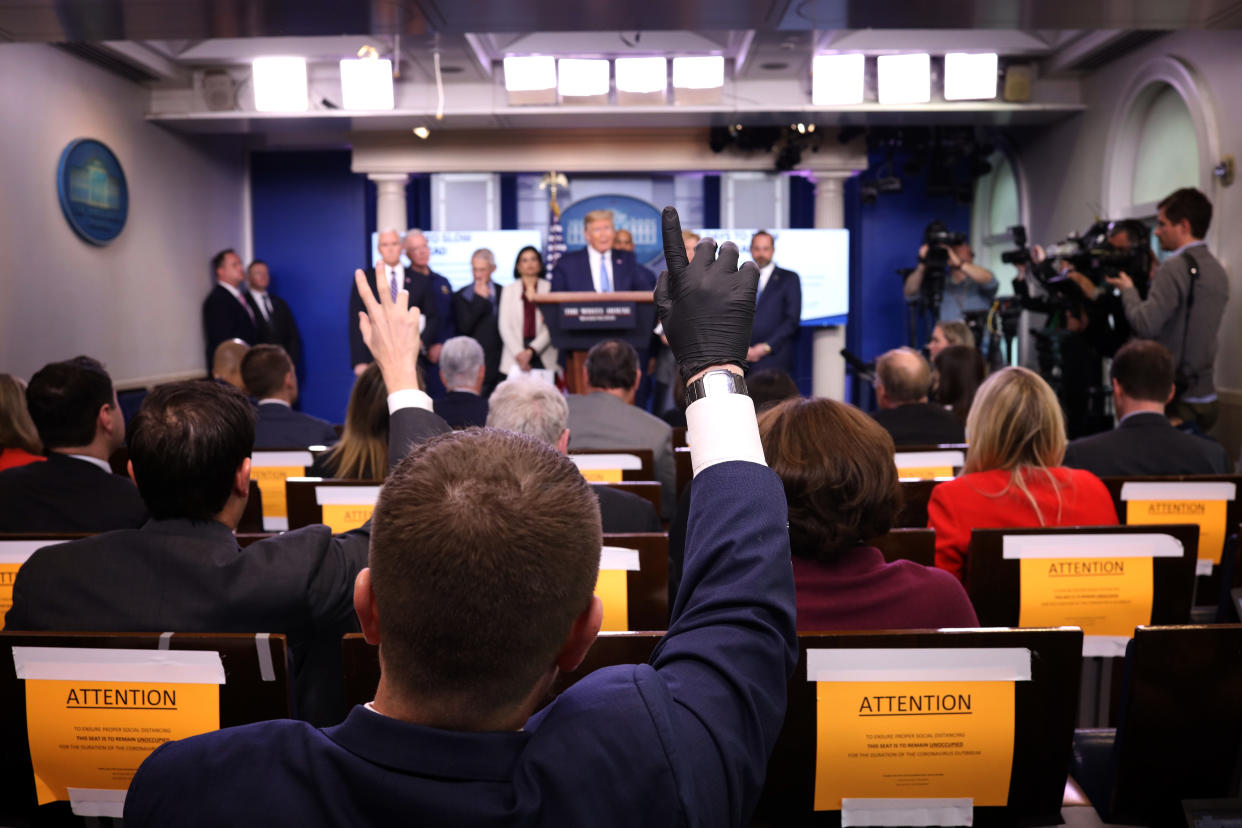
226 362
902 376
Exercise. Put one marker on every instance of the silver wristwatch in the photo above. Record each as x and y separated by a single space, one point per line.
714 384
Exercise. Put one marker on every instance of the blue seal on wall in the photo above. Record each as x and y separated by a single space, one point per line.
641 218
92 191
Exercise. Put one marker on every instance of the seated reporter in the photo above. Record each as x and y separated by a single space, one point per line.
476 610
362 452
1013 475
959 371
836 464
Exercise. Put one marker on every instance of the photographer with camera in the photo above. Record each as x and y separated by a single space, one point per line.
1184 304
946 280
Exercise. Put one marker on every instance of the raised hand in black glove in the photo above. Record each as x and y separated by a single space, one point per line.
707 305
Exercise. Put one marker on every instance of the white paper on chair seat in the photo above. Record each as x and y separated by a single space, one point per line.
263 459
1143 545
860 812
618 557
625 462
929 459
346 495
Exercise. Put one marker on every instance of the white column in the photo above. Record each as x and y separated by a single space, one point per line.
828 372
390 201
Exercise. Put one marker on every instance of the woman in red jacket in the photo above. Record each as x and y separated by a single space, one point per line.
19 442
1013 475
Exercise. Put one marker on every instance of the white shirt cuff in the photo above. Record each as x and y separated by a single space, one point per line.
408 398
723 428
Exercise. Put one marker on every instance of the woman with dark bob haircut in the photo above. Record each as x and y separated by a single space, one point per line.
841 486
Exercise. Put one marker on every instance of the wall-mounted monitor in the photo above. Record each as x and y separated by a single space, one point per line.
451 251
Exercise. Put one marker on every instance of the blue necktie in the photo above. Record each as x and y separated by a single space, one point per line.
392 282
605 283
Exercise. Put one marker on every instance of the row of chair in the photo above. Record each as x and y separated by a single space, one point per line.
1178 737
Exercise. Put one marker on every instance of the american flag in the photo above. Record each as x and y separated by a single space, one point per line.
555 247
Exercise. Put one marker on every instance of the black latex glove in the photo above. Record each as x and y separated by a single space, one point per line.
707 306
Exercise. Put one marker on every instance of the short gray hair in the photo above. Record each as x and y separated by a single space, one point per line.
460 360
529 406
484 254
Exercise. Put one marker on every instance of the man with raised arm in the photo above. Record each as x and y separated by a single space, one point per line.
476 611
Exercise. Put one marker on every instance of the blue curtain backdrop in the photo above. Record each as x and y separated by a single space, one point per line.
885 236
310 213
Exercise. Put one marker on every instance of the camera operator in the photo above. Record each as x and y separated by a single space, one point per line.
1184 304
963 286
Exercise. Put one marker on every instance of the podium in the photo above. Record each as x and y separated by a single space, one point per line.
578 320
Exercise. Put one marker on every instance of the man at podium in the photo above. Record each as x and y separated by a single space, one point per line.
598 267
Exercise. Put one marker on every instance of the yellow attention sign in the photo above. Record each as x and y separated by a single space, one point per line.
8 574
342 518
92 734
1104 596
612 588
602 475
271 480
1208 514
925 472
913 739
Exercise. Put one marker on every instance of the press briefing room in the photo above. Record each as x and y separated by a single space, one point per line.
534 413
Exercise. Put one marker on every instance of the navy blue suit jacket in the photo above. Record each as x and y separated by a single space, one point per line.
421 294
279 426
683 740
1146 443
777 317
461 409
65 494
573 272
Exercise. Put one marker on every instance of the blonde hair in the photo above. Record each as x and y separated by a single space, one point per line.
17 430
362 453
957 333
597 215
1015 424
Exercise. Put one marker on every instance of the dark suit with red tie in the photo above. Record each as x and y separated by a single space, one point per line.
225 317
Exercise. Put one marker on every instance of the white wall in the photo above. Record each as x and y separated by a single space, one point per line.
1064 167
135 304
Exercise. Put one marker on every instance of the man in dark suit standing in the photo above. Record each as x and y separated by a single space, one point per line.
183 570
269 377
902 380
598 267
462 371
537 409
393 275
476 311
778 313
74 409
226 313
271 313
1144 442
418 251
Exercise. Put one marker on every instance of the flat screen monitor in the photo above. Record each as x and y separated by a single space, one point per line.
451 251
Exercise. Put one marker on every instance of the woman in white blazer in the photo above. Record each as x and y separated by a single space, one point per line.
527 341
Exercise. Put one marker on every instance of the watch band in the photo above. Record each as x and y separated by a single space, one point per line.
715 383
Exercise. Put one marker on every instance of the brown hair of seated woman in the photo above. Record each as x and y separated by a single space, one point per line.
836 464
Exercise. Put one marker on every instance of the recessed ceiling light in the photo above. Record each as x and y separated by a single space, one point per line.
280 84
904 79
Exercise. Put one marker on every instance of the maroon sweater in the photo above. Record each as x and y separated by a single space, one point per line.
859 591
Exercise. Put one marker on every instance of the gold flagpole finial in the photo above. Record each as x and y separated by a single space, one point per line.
552 181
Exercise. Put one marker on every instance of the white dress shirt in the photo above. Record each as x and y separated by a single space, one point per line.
594 257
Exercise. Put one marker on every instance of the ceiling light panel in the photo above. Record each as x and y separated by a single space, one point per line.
643 75
970 77
837 80
530 74
698 72
904 79
580 78
366 83
279 84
